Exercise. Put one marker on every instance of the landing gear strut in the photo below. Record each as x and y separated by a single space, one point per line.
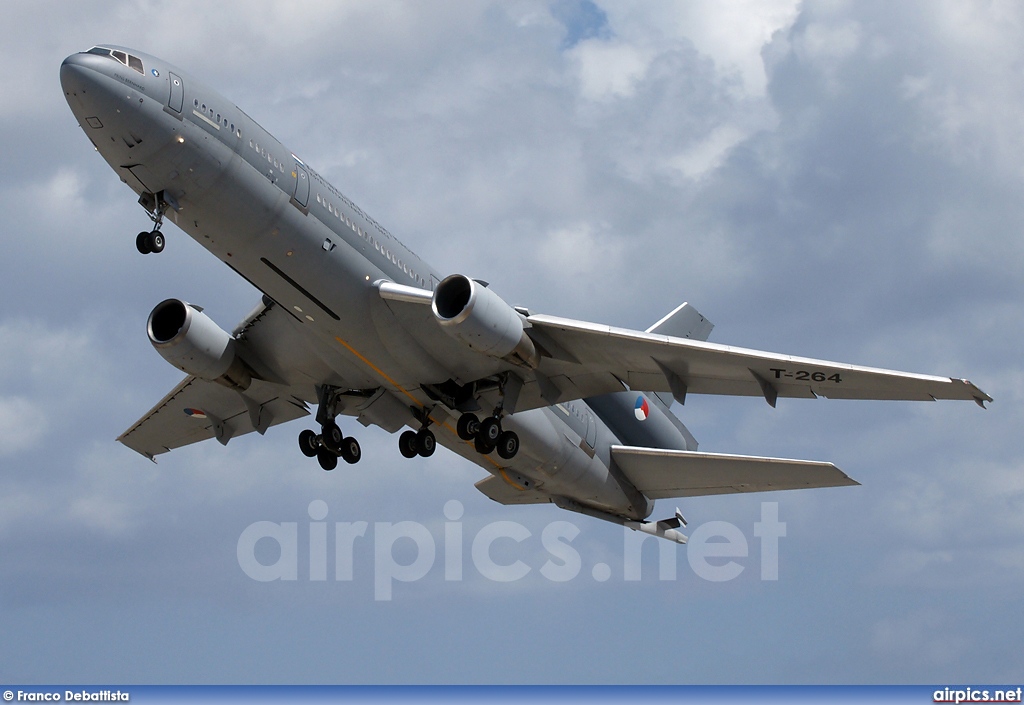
330 444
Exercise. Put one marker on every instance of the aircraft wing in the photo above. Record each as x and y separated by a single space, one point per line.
588 359
682 473
196 410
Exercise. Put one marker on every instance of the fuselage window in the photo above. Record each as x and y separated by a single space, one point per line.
135 63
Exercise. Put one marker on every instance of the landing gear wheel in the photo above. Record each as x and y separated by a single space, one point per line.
350 451
308 443
332 437
426 443
408 444
327 459
468 426
156 241
142 243
482 447
490 429
508 444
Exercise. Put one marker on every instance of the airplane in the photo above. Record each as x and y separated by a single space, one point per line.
351 320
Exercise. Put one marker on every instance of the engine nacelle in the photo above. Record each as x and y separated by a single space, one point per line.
188 339
481 319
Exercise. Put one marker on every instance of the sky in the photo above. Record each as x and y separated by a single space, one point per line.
829 179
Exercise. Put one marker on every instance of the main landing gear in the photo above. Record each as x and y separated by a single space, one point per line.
487 435
413 443
329 445
153 241
422 442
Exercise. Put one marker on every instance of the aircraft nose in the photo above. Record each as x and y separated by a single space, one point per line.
74 74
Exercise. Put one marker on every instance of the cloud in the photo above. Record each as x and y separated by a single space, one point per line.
22 425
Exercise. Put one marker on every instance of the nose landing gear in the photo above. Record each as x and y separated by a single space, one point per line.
152 241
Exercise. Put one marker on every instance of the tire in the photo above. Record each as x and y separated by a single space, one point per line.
468 426
328 460
426 443
332 437
142 243
490 429
482 446
156 241
407 444
350 451
308 443
508 445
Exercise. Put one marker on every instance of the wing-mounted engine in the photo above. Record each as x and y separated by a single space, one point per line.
188 339
472 313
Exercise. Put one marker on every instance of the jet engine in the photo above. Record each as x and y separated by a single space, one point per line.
475 315
188 339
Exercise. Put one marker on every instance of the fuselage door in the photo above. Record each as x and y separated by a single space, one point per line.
177 97
301 196
591 430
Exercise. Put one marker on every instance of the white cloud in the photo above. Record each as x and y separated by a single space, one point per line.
575 251
608 70
709 154
731 34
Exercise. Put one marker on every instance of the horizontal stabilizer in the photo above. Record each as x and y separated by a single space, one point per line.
680 473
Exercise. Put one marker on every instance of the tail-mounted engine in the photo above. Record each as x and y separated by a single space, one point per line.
472 313
188 339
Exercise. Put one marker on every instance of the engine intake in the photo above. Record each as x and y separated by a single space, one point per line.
475 315
190 340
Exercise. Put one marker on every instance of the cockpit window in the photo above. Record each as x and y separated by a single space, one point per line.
132 62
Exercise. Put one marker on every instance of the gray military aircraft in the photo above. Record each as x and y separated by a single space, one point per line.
555 410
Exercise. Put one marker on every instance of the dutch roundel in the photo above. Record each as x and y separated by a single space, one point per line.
195 413
641 409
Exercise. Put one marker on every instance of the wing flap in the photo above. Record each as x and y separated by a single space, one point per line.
196 410
678 473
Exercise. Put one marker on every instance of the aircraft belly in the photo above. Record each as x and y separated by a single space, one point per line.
418 363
